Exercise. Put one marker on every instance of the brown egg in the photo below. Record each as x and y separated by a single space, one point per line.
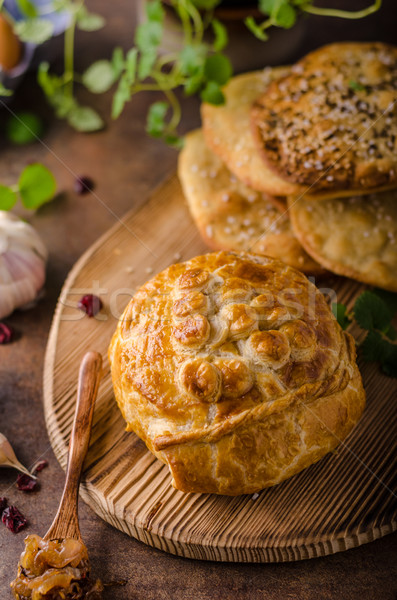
10 46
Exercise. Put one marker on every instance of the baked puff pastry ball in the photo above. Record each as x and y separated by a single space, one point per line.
234 372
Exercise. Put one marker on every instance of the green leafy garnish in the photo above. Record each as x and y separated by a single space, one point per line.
24 128
8 197
374 311
35 31
341 315
4 91
283 13
36 186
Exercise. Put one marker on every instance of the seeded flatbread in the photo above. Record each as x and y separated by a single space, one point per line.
331 123
356 236
232 216
227 131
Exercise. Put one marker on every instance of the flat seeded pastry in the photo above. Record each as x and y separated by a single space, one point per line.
234 372
331 123
227 130
355 236
232 216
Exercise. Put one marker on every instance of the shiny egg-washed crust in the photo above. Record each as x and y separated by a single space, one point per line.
232 216
234 372
355 237
330 125
227 130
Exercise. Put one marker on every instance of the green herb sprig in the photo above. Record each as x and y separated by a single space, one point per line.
284 13
200 66
36 186
373 312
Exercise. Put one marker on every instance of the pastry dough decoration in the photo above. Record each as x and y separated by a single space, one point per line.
233 370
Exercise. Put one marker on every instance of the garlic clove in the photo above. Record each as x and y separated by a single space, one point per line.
8 458
23 259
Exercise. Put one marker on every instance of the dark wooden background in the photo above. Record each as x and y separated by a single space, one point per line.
126 165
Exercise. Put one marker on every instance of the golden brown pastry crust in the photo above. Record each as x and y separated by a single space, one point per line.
331 123
227 131
355 237
233 370
232 216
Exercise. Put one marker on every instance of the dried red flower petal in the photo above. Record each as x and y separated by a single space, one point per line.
13 519
26 483
90 304
6 333
39 466
3 505
83 185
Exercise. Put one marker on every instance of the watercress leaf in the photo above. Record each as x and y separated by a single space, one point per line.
339 311
191 58
4 91
193 84
286 16
212 94
24 128
155 11
87 21
130 65
45 80
84 118
148 36
121 96
7 198
155 123
255 29
62 104
118 61
269 6
220 32
37 186
145 64
388 298
174 141
27 8
99 77
35 31
371 312
377 348
218 68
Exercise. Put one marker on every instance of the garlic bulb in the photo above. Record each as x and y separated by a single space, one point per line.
23 258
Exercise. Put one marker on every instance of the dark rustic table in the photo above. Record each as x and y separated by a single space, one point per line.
126 165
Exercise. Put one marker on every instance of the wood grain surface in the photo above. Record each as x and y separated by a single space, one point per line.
347 499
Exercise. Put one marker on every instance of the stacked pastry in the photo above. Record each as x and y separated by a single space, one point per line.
300 164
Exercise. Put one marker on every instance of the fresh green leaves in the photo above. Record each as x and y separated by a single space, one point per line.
35 31
87 21
218 68
8 197
100 76
24 128
4 91
84 118
373 311
340 313
36 186
356 86
199 67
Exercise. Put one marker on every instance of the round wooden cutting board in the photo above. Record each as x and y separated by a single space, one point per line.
347 499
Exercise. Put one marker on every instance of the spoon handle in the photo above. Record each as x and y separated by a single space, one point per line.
66 522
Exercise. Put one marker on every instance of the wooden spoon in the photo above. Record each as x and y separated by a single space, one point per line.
66 521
